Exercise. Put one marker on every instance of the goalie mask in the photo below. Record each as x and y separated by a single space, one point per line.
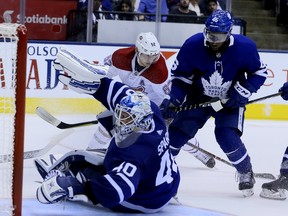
133 113
147 48
218 27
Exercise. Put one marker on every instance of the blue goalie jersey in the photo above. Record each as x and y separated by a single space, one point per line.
143 176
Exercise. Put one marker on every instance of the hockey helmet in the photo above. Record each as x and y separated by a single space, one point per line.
218 26
148 48
133 113
148 44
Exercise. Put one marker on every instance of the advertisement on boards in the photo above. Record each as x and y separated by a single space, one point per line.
44 19
42 83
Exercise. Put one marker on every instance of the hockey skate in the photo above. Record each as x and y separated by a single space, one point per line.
206 159
246 183
275 189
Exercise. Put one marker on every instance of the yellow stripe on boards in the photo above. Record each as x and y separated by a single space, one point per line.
65 105
267 111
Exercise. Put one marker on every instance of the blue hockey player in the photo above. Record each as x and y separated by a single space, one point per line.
213 65
138 173
276 189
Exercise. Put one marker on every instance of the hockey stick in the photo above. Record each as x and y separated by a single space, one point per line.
46 116
209 103
256 175
264 98
38 152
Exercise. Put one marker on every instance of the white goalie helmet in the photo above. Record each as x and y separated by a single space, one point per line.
133 113
148 48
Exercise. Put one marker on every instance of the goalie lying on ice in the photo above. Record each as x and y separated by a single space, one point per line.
139 173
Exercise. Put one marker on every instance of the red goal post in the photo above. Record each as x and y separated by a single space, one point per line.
13 56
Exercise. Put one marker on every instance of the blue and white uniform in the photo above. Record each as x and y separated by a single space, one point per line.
200 74
141 177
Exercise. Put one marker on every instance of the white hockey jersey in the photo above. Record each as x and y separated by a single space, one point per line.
154 81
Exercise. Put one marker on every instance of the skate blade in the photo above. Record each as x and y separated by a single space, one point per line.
275 195
248 192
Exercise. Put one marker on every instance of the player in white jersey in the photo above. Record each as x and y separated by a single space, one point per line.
143 68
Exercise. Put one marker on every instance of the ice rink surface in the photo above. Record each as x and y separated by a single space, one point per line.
202 191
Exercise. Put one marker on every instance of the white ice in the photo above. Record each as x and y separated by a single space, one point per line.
202 191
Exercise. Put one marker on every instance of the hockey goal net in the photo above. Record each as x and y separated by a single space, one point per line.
13 49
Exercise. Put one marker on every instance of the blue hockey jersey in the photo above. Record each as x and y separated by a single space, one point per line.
141 177
201 74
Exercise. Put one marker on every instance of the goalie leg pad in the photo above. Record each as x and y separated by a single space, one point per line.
72 162
42 166
80 86
100 140
77 67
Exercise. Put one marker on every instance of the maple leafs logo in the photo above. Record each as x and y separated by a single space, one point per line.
215 86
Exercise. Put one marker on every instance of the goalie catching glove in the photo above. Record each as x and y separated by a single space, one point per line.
83 77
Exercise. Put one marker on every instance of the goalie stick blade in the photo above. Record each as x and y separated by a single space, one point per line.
38 152
46 116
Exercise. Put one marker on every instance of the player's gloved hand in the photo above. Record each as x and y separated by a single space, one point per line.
80 85
238 96
284 90
167 107
170 112
164 105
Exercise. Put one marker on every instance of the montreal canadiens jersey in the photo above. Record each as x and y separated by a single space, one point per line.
202 74
142 176
154 81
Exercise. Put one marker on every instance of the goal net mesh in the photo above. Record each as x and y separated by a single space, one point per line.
9 41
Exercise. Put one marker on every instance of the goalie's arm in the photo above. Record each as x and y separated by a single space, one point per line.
89 79
110 92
